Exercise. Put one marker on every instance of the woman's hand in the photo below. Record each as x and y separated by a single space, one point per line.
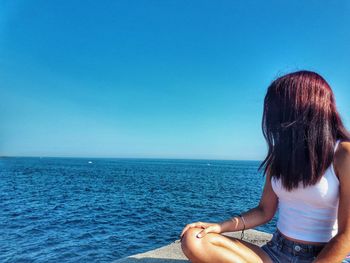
207 228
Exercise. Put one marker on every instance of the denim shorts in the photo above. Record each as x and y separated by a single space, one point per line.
282 250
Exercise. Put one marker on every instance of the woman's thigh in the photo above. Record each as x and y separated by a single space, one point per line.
219 248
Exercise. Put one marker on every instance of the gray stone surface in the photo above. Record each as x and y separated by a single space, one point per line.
172 253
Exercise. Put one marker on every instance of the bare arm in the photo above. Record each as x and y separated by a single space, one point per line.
254 217
339 246
259 215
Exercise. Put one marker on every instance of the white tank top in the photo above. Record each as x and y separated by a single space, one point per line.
309 213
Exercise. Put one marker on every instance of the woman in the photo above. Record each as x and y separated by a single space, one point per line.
307 171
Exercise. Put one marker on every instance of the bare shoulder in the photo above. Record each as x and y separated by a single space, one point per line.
342 160
343 151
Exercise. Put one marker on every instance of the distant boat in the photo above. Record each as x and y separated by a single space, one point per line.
89 161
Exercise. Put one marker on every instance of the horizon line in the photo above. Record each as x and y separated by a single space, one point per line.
147 158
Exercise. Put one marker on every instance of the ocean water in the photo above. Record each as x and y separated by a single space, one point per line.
100 210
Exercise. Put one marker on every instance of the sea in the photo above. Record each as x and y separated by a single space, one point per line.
101 210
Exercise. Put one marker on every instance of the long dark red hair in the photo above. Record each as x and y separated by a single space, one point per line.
301 126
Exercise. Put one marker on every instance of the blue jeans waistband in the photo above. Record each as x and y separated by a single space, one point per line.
295 247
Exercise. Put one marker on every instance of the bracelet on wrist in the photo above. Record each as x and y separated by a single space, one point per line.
242 234
236 221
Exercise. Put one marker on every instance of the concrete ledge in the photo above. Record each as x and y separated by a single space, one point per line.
172 253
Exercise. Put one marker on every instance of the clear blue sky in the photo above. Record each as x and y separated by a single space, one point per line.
166 78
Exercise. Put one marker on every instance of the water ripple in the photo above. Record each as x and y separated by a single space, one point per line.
67 210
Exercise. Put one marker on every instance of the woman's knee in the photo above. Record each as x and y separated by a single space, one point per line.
206 248
191 244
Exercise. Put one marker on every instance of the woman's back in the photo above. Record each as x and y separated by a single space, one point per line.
309 213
